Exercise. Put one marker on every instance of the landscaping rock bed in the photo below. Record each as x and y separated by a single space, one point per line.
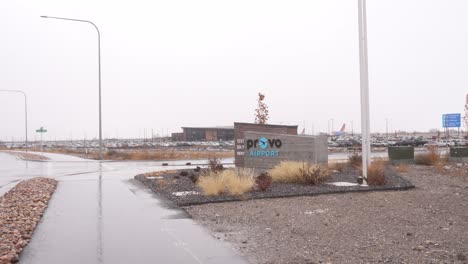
182 191
20 210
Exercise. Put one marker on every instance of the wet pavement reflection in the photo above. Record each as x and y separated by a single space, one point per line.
100 214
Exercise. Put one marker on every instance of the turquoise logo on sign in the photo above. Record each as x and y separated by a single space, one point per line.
263 143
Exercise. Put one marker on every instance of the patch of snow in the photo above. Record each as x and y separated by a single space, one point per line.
155 177
318 211
185 193
343 184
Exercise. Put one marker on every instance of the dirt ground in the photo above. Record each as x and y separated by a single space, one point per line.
28 156
428 224
146 154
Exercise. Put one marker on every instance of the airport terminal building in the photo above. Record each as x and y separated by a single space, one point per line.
204 134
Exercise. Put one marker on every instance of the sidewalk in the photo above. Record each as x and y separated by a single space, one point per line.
105 217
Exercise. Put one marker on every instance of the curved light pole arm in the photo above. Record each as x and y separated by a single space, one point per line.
99 64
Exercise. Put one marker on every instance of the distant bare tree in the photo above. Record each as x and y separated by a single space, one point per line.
465 118
261 113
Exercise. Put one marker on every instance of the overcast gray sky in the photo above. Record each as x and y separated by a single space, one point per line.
167 64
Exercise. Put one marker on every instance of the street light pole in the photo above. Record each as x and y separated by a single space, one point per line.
333 127
99 64
386 127
364 81
25 114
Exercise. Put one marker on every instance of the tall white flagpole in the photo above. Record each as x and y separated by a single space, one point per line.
364 81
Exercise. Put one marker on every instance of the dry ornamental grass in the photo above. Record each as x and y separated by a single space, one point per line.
355 159
286 172
337 166
234 182
211 185
431 158
376 173
299 172
240 182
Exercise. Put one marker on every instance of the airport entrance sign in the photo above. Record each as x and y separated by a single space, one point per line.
451 120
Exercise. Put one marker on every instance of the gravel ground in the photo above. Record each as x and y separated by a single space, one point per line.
20 210
170 182
428 224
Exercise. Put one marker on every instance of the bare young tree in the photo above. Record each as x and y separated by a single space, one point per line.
261 113
465 118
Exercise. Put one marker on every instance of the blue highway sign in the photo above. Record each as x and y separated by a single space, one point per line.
451 120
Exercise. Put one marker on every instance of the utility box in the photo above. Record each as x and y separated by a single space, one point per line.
398 155
459 154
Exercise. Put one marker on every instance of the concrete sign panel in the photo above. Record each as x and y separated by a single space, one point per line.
240 147
266 150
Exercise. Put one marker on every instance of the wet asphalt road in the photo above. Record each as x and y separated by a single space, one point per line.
99 214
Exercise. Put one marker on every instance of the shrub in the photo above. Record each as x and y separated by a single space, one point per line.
263 181
337 166
376 173
313 174
298 172
214 164
355 159
184 173
194 178
111 153
430 158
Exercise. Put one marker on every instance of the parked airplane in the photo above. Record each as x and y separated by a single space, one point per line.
342 130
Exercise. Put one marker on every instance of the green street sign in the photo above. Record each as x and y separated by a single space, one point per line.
41 130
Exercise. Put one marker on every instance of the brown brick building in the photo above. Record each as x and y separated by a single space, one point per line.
204 134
